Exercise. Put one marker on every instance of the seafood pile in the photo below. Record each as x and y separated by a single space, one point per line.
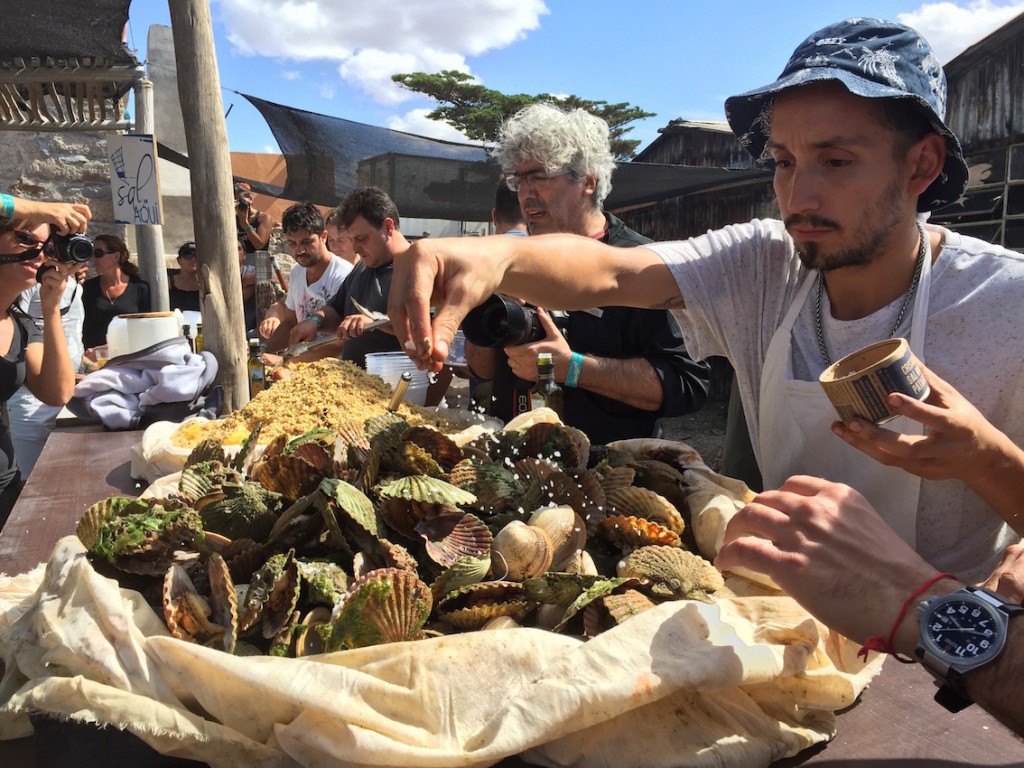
383 530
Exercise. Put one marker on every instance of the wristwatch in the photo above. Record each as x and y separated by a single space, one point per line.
959 632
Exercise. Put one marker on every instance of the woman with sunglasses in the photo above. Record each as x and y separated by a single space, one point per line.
29 355
183 286
117 289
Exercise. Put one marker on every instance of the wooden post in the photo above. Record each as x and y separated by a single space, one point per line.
212 208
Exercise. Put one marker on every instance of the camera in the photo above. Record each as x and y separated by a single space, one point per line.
72 249
244 205
501 322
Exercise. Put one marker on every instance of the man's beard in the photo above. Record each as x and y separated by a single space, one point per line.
878 224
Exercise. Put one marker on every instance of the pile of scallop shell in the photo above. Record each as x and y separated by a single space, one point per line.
383 532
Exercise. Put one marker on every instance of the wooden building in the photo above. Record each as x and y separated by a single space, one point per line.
985 110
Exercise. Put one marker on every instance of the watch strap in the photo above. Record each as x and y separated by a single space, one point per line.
951 699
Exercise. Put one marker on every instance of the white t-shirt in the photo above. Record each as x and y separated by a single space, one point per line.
737 284
305 299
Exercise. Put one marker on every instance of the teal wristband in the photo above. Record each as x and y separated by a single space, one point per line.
6 206
317 319
572 376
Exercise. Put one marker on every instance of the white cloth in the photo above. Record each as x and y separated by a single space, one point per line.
737 284
170 373
31 420
737 684
305 299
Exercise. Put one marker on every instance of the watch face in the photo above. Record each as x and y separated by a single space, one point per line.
963 630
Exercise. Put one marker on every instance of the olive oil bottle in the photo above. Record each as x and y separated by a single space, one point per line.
198 341
546 392
257 370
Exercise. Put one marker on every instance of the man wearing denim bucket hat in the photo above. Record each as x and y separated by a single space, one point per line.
854 132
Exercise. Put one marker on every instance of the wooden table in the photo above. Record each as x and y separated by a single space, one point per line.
894 724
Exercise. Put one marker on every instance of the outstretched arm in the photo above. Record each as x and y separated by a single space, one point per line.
555 271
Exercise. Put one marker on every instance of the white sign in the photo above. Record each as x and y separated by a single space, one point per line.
134 183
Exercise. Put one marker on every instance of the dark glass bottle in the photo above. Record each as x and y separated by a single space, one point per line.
546 392
199 337
187 330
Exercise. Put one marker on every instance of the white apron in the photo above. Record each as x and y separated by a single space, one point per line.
796 418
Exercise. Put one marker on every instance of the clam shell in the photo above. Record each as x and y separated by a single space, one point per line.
672 573
427 489
615 477
412 459
567 446
520 551
641 502
632 532
96 515
190 616
451 535
494 486
384 606
472 606
355 511
441 447
612 610
566 532
291 476
323 582
311 637
679 455
240 511
501 622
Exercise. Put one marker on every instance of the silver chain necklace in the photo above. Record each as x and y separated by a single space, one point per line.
922 254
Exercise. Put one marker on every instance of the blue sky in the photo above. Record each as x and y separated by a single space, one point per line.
676 58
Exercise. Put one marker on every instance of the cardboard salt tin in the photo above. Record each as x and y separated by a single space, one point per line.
859 383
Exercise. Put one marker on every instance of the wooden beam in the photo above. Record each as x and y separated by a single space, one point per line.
212 213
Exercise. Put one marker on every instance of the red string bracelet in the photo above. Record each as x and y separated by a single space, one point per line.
880 644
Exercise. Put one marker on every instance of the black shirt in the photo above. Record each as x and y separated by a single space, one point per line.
99 310
12 376
621 332
370 288
181 299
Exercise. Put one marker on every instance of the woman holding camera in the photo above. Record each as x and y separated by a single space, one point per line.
117 289
37 358
252 225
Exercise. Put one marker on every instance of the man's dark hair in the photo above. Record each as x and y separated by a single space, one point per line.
907 120
506 207
303 216
372 204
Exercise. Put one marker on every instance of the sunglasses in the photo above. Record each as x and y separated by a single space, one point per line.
538 178
99 252
29 240
187 255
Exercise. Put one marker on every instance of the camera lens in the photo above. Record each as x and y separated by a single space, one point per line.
72 248
499 322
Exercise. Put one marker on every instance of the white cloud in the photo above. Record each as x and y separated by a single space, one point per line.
416 121
951 28
371 44
291 74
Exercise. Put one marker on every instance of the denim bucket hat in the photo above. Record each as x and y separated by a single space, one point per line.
874 59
